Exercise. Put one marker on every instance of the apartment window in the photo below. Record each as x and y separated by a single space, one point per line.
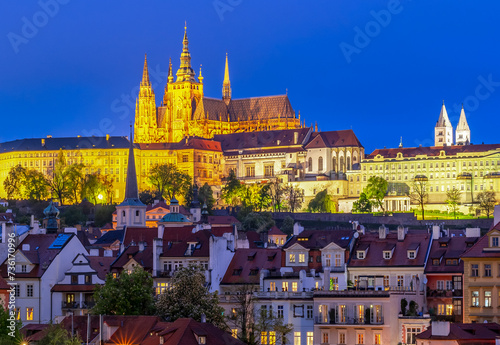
320 164
323 313
284 285
411 333
474 270
338 260
296 338
185 158
294 286
386 281
234 333
440 284
342 313
449 309
494 241
360 338
263 338
449 285
324 338
387 255
17 290
161 287
457 306
342 338
309 312
269 170
475 298
23 268
377 339
302 258
291 258
310 338
29 290
310 164
361 254
272 338
487 298
401 280
487 270
250 171
272 286
334 283
88 279
29 314
440 309
280 311
74 279
360 311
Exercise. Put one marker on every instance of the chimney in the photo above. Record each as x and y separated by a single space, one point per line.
472 232
161 229
382 232
496 215
436 232
401 233
297 229
440 328
142 245
157 251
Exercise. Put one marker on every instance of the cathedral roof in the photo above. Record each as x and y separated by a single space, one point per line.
443 120
55 144
334 139
462 122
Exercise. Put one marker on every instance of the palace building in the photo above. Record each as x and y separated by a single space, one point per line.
185 111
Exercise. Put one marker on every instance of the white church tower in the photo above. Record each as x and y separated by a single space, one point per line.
462 133
131 212
443 132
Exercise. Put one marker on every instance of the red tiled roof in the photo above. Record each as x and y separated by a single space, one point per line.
131 329
261 258
375 258
316 239
477 250
137 235
486 332
101 265
179 248
455 246
143 258
334 139
227 220
275 231
6 217
218 231
432 150
3 284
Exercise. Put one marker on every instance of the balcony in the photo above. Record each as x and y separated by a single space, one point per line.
283 294
164 274
375 321
78 305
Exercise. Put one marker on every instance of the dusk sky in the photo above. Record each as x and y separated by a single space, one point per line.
382 68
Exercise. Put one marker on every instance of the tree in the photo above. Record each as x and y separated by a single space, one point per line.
232 190
76 178
58 178
257 221
73 215
128 294
14 182
92 187
168 180
276 193
486 201
375 191
206 196
188 297
287 226
452 199
55 334
362 205
322 202
35 185
148 196
104 215
9 333
294 197
419 194
268 322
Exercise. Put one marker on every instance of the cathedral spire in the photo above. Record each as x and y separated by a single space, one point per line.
226 85
145 72
131 189
462 133
443 132
185 71
170 73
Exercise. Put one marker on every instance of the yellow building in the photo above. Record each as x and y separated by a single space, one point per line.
481 283
185 111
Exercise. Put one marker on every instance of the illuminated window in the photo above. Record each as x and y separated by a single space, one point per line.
269 170
377 340
202 340
310 338
272 338
272 286
360 311
234 333
324 338
449 309
334 283
440 310
401 280
291 257
342 338
386 281
302 258
296 338
360 338
475 298
294 286
250 171
338 260
29 314
487 298
161 287
284 286
263 338
411 333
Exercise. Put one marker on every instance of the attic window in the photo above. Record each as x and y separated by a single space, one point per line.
360 254
443 244
237 272
254 271
451 262
435 262
301 239
202 339
494 241
251 256
271 257
387 254
412 254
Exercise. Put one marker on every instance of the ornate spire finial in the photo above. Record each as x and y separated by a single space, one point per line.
185 72
226 85
145 72
200 78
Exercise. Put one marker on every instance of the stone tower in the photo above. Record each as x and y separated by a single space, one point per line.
462 133
443 132
145 126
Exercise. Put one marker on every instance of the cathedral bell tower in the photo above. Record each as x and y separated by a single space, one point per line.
181 97
443 132
145 126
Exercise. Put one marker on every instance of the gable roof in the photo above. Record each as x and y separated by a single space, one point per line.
478 249
318 239
455 246
238 271
334 139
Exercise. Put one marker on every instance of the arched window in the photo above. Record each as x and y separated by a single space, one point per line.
348 163
334 164
310 164
320 164
341 164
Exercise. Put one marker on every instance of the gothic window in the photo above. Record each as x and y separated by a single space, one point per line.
320 164
342 164
334 163
348 163
310 164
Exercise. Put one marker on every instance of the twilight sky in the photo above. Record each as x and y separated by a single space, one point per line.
382 68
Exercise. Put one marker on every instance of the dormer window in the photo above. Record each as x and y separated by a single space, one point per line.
387 254
412 254
202 339
494 241
237 272
435 262
360 254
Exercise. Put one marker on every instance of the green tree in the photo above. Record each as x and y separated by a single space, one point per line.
168 180
486 201
294 197
287 226
190 298
232 190
257 221
362 205
73 215
35 185
128 294
277 194
453 199
58 178
419 194
76 182
375 191
148 196
94 188
8 335
206 196
267 322
104 215
55 334
322 202
14 182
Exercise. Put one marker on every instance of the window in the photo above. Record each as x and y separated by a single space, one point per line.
360 338
411 254
342 338
320 164
263 338
386 282
360 313
272 286
309 313
440 284
387 255
494 241
310 164
296 338
328 260
234 333
29 290
29 314
487 270
334 283
185 158
361 254
474 270
272 338
323 313
338 260
291 258
302 258
250 171
440 309
475 298
17 290
377 340
284 286
88 279
411 333
342 313
449 285
161 287
324 338
280 311
457 306
310 338
487 298
23 268
401 280
449 309
269 170
294 286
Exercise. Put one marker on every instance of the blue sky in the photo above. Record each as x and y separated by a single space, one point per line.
382 68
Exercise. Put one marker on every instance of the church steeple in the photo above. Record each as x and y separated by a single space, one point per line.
185 71
145 109
145 73
443 132
131 190
226 85
462 133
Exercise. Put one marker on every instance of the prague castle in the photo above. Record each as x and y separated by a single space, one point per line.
186 112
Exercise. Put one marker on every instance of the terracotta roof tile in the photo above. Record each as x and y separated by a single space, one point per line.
239 270
334 139
455 246
486 332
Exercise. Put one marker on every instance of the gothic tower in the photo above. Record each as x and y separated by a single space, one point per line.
145 126
181 98
443 132
462 133
226 85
